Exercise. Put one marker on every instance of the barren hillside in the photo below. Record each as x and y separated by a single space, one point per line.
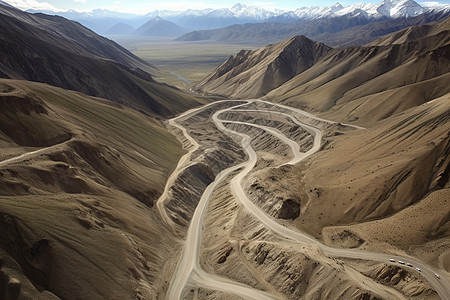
78 179
251 74
63 53
357 84
239 198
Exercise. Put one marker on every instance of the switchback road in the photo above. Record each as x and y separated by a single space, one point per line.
189 273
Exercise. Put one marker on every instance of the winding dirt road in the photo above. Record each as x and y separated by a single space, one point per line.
189 274
26 155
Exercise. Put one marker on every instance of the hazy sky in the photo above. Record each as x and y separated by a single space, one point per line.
144 6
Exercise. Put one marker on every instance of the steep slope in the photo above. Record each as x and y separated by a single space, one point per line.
399 8
79 175
361 84
377 80
62 53
78 179
158 27
67 35
254 73
359 176
385 188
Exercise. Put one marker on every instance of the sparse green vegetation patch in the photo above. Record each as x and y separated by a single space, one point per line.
191 60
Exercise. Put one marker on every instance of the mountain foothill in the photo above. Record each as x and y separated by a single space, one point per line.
348 81
88 117
86 148
390 176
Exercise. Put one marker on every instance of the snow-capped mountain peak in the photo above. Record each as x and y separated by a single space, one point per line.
400 8
387 8
368 8
198 19
244 11
238 7
336 7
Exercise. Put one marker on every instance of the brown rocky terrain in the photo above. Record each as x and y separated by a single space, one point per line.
76 216
237 246
62 53
382 189
251 74
90 208
357 84
79 176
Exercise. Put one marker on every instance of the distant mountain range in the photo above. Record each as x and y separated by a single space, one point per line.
102 21
338 31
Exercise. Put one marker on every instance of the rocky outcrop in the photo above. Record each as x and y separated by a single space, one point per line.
402 279
289 210
9 286
345 239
